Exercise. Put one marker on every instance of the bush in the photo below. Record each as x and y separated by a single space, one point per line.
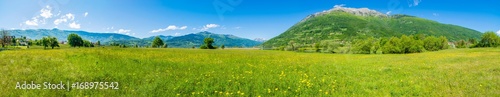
74 40
489 39
392 46
364 46
460 44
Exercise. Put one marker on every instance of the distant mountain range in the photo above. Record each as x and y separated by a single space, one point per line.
185 41
345 24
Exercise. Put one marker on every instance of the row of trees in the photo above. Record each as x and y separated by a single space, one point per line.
400 45
158 43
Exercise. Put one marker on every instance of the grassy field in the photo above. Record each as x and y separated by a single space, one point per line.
239 72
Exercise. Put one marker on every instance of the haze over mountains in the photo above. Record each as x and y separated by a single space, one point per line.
345 24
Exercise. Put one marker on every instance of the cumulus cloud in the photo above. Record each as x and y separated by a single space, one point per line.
46 12
171 27
86 13
209 26
74 25
32 22
498 32
64 19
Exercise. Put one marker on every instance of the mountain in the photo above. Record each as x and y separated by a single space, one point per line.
162 37
345 24
62 35
185 41
196 39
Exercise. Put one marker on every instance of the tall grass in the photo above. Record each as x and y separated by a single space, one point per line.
193 72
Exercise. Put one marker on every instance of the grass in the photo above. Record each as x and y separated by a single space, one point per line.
239 72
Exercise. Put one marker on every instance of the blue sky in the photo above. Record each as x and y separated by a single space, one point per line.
245 18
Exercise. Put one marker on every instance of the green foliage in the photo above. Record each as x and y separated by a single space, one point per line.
329 46
252 73
364 46
203 47
345 27
74 40
460 44
157 42
432 43
50 42
87 43
392 46
208 43
489 39
222 46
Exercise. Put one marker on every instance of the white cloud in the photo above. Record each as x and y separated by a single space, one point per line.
58 21
498 32
124 31
388 13
74 25
86 13
32 22
171 27
46 12
177 34
209 26
68 17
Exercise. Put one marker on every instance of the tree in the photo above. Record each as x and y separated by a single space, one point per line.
45 42
489 39
432 43
460 44
49 42
329 46
364 46
5 38
86 43
443 43
208 43
393 46
53 42
222 46
74 40
157 42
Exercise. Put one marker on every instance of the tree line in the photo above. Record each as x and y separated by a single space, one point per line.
392 45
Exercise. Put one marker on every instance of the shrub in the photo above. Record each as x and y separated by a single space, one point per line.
489 39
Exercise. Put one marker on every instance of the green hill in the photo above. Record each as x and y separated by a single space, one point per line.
345 24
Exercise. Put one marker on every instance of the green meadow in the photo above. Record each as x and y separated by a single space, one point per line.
246 72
